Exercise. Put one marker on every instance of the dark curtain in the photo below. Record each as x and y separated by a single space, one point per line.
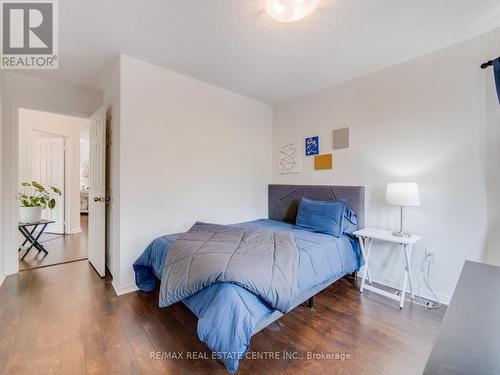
496 69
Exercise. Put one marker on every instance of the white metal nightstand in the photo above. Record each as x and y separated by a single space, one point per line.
366 237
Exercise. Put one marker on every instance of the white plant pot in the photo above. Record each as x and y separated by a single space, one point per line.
30 214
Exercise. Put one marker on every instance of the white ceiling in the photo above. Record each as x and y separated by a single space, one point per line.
235 45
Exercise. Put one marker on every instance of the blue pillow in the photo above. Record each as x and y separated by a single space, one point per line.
321 216
350 223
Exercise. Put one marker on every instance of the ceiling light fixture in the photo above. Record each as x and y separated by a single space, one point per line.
290 10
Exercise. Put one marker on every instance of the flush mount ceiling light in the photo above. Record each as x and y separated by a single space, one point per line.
290 10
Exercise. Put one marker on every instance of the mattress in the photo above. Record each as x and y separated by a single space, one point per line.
229 315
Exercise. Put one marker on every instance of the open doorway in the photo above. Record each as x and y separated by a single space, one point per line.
53 154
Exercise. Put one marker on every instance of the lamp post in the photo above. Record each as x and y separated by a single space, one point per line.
402 194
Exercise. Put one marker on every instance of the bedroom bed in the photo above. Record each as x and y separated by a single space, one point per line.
228 314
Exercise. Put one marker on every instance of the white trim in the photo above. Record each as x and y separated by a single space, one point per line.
67 186
397 285
10 229
76 230
2 279
120 290
12 149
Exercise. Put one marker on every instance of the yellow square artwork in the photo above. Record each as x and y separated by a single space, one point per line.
324 161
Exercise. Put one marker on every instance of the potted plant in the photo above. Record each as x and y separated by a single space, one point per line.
34 200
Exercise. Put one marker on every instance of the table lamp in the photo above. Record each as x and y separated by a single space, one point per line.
402 194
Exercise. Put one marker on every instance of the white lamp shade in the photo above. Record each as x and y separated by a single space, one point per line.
290 10
403 194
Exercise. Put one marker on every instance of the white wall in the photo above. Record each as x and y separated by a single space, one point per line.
55 124
189 151
422 120
84 152
2 256
492 162
23 91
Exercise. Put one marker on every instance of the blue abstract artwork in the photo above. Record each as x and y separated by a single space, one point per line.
312 146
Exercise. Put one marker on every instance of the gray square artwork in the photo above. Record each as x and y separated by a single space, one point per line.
340 138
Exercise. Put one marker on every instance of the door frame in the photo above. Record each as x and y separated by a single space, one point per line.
10 223
67 179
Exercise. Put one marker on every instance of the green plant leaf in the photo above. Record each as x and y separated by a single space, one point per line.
56 190
39 196
37 186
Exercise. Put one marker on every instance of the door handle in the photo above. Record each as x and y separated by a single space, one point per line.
98 199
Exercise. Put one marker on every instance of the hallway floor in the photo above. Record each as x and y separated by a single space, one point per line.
61 248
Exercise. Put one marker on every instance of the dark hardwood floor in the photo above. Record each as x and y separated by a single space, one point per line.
66 320
61 248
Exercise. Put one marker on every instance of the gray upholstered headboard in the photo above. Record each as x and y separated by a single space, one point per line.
284 199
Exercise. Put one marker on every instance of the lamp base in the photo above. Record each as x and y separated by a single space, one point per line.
401 234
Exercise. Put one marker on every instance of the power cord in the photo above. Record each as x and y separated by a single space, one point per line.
425 270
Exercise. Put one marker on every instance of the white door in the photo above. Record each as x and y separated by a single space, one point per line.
48 169
97 191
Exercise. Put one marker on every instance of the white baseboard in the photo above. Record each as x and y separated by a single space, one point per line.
397 285
76 231
120 290
2 279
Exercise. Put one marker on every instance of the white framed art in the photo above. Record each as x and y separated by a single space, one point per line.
289 158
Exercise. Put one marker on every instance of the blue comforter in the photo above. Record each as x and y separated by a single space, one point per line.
229 315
